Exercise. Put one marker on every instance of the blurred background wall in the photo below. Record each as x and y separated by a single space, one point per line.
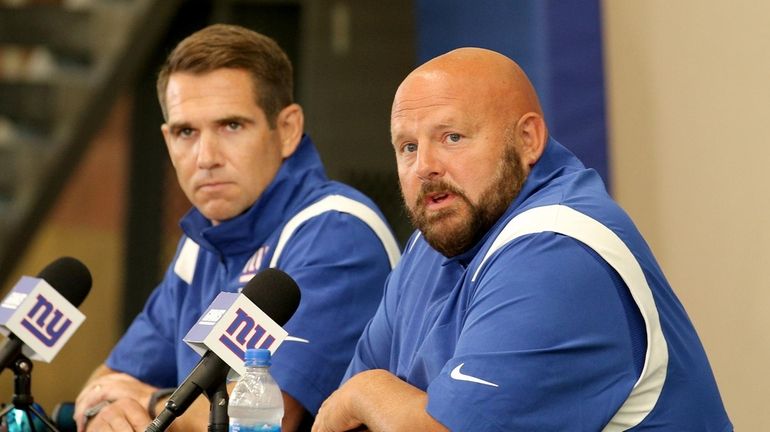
685 109
688 104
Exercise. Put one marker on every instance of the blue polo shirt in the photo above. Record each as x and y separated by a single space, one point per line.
331 239
558 319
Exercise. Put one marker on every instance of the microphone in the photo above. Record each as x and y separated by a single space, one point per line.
272 291
28 330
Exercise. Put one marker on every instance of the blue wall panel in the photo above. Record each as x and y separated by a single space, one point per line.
557 42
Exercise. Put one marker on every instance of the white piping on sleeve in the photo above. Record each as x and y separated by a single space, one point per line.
345 205
567 221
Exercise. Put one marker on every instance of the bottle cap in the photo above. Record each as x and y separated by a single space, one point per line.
257 357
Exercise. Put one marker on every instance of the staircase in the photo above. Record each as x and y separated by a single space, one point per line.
62 65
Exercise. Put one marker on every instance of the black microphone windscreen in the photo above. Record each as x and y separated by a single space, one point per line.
275 293
69 277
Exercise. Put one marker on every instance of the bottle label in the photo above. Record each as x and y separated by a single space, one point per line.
264 428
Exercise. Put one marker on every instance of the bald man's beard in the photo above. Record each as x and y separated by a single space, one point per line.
454 230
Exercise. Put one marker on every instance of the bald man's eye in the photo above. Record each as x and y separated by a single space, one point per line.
409 148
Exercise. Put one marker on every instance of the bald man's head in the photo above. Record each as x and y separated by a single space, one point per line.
467 127
479 74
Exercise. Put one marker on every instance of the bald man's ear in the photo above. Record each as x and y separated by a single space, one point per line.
290 124
532 135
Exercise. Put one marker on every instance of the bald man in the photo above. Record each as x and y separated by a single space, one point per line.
526 299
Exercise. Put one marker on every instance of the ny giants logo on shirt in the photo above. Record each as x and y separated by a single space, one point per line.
45 327
253 264
244 333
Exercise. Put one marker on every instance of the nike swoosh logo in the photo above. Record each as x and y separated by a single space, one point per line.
459 376
296 339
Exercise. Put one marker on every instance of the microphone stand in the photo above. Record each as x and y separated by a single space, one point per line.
218 398
22 396
180 400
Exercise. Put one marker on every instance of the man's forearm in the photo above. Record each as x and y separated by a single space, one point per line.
387 404
380 401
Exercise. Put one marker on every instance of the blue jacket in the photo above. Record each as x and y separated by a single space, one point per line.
331 239
559 319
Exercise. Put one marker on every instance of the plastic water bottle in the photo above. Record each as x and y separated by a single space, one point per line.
256 403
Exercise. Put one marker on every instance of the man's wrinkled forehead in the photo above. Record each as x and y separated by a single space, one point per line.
434 96
434 112
424 90
407 107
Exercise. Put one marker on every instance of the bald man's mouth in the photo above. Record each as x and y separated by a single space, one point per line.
438 200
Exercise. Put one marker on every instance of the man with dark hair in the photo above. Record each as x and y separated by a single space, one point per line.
527 300
260 199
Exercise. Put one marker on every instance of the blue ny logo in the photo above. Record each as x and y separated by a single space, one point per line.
44 327
248 335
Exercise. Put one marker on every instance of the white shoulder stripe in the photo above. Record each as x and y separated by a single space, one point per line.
414 242
184 267
567 221
345 205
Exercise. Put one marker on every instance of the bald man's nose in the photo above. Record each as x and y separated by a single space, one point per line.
429 163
